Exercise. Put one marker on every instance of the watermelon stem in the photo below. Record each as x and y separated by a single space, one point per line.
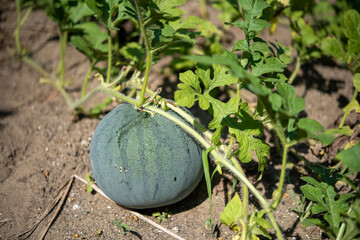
228 164
148 54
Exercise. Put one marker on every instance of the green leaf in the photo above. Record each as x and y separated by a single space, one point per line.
133 51
292 104
247 133
282 52
352 105
231 63
352 221
170 6
314 182
326 175
357 81
221 77
310 126
311 222
272 64
98 108
89 188
313 129
231 211
333 46
350 157
252 24
221 111
258 224
91 41
325 199
110 12
241 45
352 25
190 91
122 227
276 101
312 193
125 226
88 177
79 12
327 137
307 32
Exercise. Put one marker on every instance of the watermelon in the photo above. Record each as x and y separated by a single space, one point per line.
144 161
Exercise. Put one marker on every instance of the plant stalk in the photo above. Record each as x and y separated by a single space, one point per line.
19 23
296 70
203 10
34 65
265 205
215 153
18 26
245 191
63 41
86 80
148 54
108 75
279 192
343 119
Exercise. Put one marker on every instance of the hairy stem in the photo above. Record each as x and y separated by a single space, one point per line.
18 26
229 165
19 23
108 75
63 42
275 225
343 119
203 10
215 153
276 127
148 53
245 191
279 192
30 62
84 86
296 70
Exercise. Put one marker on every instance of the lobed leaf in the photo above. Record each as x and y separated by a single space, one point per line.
111 12
190 91
292 103
252 24
247 133
350 157
272 64
352 221
325 199
91 41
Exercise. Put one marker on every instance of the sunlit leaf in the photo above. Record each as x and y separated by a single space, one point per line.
231 211
350 157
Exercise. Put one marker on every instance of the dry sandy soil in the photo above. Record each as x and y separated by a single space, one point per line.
42 146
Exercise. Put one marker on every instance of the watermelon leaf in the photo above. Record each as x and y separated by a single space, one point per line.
350 157
190 91
248 133
326 201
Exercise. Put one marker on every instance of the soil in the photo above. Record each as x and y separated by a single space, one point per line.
42 145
